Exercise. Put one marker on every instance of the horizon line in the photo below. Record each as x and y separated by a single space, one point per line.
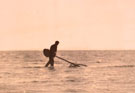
75 50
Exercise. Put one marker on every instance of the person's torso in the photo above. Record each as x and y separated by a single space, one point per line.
53 49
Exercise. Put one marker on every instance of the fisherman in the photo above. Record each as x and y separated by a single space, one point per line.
53 50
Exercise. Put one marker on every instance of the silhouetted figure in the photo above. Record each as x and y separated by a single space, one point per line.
53 50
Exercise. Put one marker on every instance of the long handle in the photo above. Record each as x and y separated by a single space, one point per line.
64 60
69 61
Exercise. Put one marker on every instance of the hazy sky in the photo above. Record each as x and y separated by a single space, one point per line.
77 24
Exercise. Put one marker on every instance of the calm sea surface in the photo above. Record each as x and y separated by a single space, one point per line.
106 72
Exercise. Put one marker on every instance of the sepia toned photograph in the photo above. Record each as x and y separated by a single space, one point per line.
67 46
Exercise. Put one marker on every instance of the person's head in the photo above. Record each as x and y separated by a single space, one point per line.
56 42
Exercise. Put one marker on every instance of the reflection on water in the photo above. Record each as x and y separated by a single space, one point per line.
107 72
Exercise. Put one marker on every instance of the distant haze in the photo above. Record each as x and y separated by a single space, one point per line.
77 24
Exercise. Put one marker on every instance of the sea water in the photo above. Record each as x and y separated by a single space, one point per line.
106 72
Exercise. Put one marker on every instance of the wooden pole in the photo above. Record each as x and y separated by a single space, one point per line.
70 62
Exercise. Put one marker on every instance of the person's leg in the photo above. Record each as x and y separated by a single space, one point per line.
52 61
48 62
